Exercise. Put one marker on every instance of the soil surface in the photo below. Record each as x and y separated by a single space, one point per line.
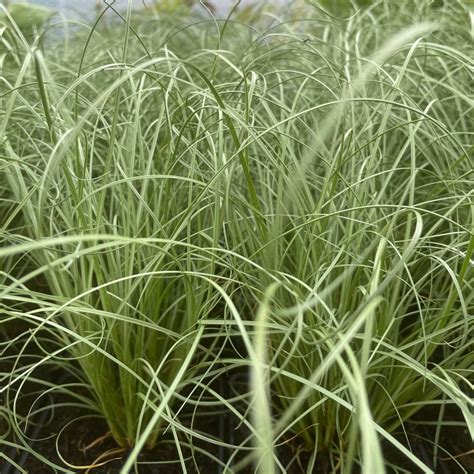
82 439
85 442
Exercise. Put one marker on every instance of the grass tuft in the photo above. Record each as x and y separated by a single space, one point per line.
288 199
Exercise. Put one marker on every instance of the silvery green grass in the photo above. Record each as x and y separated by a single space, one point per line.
297 181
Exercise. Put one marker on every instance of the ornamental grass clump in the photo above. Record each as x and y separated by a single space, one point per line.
289 199
111 206
370 235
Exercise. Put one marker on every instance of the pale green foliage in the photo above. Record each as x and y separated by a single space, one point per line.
27 16
303 187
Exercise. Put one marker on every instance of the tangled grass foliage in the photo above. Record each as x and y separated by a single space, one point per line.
301 184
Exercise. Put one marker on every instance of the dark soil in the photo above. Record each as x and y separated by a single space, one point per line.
455 452
82 441
75 439
77 435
